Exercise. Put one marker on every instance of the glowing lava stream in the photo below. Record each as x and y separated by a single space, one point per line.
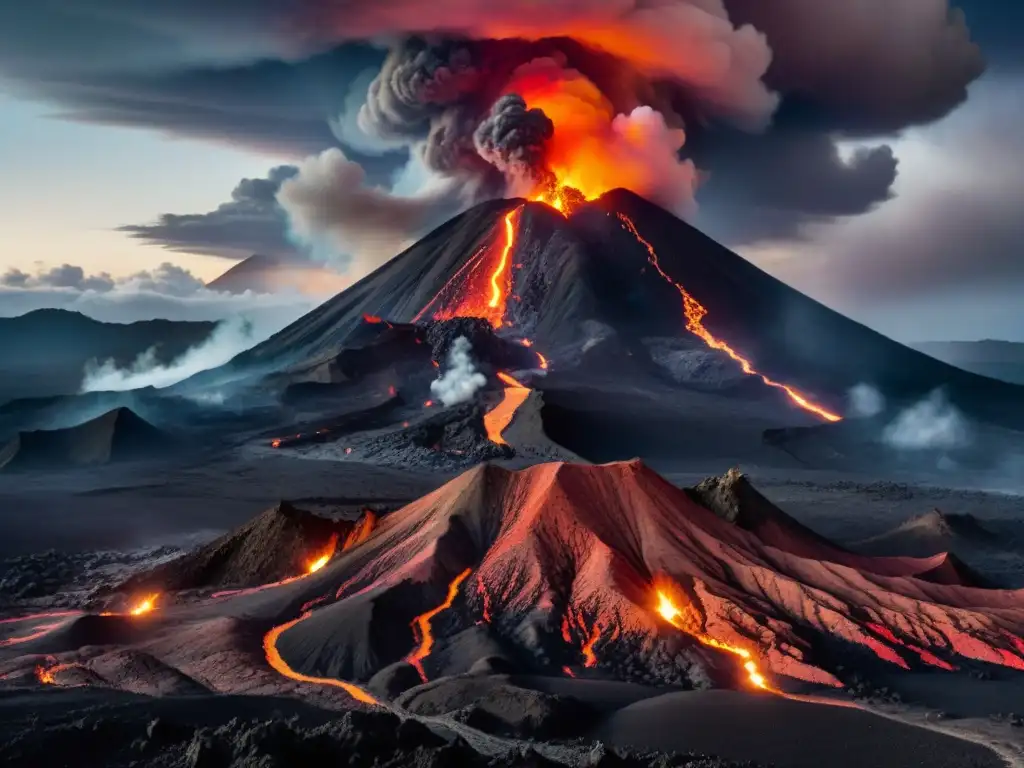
501 279
281 666
421 625
695 313
678 619
39 630
500 416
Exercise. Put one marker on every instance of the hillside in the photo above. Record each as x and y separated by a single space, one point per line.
44 352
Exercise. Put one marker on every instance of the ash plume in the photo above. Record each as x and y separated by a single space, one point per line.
461 380
508 100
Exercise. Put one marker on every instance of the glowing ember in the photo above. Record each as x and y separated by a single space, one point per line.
392 391
543 361
372 319
421 625
281 666
687 620
145 605
275 443
497 419
320 562
695 313
428 404
526 342
47 675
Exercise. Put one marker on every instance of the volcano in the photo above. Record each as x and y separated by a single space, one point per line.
592 268
621 296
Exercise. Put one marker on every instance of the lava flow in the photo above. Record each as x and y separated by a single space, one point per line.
487 300
281 666
38 630
695 313
315 565
687 620
497 419
421 625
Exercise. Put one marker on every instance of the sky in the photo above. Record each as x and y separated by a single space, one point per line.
143 149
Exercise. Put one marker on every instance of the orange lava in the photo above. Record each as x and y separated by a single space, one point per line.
47 675
497 419
361 532
481 589
563 198
543 361
372 319
281 666
145 605
686 619
275 443
315 565
589 657
501 278
428 404
695 313
451 285
421 625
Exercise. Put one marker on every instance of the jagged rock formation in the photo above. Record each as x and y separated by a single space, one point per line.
278 544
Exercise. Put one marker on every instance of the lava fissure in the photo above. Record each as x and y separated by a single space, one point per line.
687 619
695 313
421 625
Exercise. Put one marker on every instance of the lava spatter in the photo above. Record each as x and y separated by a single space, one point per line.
47 672
280 666
421 625
695 313
144 605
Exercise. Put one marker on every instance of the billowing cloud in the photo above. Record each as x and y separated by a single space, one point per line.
285 76
337 212
251 222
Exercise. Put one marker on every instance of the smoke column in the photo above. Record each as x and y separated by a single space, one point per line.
461 379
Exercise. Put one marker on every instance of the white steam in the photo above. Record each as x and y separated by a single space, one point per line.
227 340
934 423
461 380
865 402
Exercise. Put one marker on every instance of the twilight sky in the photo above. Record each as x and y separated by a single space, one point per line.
134 135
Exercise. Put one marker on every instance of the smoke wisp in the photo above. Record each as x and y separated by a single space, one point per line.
231 337
931 424
865 402
461 380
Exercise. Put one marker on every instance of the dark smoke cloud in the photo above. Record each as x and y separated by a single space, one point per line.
513 138
251 222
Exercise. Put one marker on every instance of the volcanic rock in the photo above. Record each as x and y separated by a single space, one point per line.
278 544
585 548
932 532
118 435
